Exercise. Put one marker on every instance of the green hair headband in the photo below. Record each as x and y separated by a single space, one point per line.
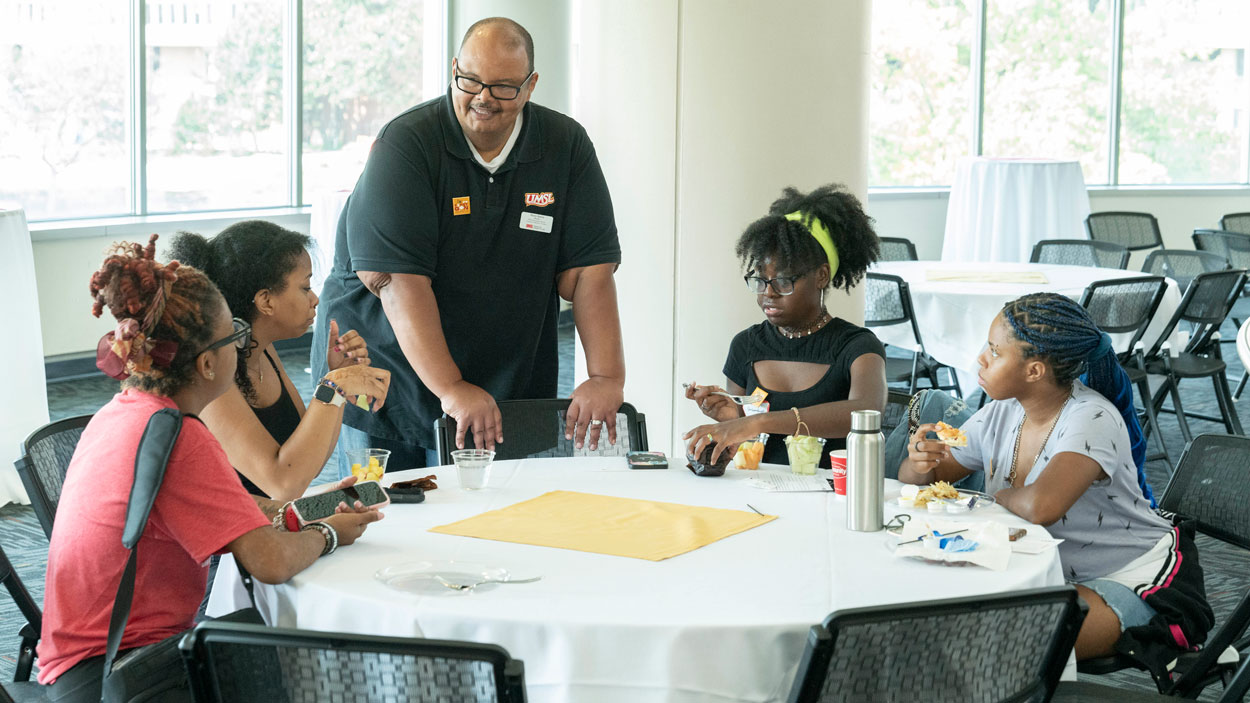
820 234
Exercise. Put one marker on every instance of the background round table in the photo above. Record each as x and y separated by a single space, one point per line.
954 316
727 622
999 208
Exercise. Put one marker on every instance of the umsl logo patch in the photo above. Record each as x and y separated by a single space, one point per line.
539 199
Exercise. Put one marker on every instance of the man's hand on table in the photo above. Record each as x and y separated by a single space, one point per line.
474 408
593 405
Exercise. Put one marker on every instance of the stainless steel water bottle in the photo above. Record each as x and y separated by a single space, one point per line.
865 472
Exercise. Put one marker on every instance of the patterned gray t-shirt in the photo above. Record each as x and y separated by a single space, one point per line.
1111 523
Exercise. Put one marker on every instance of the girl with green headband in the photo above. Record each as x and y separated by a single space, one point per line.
813 367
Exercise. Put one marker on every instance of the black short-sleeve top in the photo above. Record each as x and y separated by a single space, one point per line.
838 344
492 245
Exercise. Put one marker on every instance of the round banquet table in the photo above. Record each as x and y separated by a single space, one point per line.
1000 207
726 622
954 316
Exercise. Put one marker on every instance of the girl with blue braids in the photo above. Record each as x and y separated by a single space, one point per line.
1062 448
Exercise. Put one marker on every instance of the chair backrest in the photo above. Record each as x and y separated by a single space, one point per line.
1208 300
939 651
1182 265
29 609
887 301
43 463
1122 305
230 662
1132 230
1080 252
895 413
897 249
1211 485
535 428
1233 246
1236 222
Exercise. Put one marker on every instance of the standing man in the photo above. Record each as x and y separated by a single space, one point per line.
474 211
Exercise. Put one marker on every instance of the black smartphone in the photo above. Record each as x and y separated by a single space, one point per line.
319 507
646 460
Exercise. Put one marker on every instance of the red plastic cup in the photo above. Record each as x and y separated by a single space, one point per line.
837 459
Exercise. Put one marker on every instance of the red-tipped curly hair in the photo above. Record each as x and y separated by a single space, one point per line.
170 302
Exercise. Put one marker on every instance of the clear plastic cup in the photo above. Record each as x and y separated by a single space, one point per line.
368 464
473 467
804 453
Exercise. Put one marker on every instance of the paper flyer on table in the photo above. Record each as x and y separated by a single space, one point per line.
780 482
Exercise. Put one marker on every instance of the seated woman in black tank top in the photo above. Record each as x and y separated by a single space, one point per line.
806 360
276 444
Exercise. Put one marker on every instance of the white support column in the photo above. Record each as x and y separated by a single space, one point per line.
702 111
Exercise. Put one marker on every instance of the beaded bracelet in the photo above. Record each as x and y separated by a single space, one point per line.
328 532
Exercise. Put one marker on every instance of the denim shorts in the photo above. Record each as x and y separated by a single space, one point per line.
1127 605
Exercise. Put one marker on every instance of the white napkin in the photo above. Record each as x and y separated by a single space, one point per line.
1035 545
993 548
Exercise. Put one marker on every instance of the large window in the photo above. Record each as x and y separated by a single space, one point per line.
1137 91
215 127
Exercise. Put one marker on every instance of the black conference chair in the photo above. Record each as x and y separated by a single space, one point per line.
23 689
897 249
1236 222
1080 252
535 428
43 463
230 662
1131 230
1207 302
1212 487
1127 305
887 301
1090 692
1182 265
917 652
897 404
1235 248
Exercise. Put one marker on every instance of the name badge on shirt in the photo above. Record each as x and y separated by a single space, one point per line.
536 222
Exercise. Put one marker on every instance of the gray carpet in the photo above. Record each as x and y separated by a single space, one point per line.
1226 567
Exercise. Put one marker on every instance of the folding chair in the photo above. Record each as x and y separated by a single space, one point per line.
1207 302
1122 305
1236 222
23 689
1131 230
946 650
1080 252
535 428
44 461
1182 265
229 662
887 301
1212 487
897 249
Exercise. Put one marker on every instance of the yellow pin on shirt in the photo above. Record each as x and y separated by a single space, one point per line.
460 206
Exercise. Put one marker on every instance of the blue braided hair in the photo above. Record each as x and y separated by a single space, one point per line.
1056 329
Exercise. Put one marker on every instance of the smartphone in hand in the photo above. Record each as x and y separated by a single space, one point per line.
319 507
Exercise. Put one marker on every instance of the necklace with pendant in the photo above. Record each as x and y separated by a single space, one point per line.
1011 475
821 319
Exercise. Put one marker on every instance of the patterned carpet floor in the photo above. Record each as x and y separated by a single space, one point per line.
1227 568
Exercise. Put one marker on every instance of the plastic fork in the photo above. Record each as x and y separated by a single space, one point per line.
471 586
739 399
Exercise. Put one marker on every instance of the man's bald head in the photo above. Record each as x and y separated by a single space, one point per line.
503 30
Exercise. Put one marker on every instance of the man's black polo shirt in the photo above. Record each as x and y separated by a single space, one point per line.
424 206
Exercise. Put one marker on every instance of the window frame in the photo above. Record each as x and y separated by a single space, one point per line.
434 72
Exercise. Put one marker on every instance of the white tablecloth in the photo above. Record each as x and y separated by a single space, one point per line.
955 316
26 408
1000 208
727 622
323 227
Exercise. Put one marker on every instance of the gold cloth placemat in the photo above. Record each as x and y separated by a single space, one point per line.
987 276
625 527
